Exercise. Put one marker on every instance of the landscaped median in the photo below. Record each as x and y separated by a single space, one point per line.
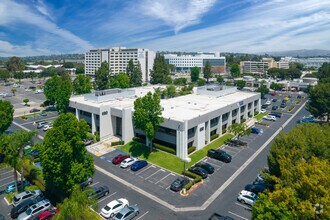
167 160
260 116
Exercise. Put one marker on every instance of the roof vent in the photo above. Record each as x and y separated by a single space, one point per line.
172 107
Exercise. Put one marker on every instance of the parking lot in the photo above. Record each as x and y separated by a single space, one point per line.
6 177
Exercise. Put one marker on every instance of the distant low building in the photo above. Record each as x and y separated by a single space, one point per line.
316 62
260 67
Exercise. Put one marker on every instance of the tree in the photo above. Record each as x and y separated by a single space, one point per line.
234 70
263 91
194 73
12 146
319 104
32 75
82 84
64 158
51 88
6 115
324 71
207 71
276 86
136 77
15 64
4 74
80 70
68 65
160 71
26 101
180 81
240 84
130 68
13 90
77 206
239 130
201 82
170 91
19 75
220 80
121 80
147 115
102 77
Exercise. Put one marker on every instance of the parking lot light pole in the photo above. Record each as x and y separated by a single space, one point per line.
185 160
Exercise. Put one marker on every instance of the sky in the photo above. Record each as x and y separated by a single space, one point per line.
44 27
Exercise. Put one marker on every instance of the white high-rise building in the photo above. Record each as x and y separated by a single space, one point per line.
118 58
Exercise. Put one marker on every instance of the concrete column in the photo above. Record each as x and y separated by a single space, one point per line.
238 116
77 114
93 123
246 110
230 118
207 132
181 140
220 125
127 125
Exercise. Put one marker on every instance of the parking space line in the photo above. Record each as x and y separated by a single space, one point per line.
154 173
143 170
93 184
237 215
142 215
212 163
6 172
244 206
7 177
163 178
106 197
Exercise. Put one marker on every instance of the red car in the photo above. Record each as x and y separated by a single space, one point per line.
273 94
47 215
119 158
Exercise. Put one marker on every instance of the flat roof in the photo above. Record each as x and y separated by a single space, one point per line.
179 108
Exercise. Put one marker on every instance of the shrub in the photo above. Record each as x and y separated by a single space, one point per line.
298 102
243 120
224 130
140 140
10 197
198 179
188 185
115 143
191 149
97 136
23 117
256 112
214 136
164 148
291 108
191 175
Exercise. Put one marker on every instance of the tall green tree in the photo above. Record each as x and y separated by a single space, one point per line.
220 80
319 104
324 71
263 91
160 71
64 158
15 64
77 206
102 77
4 74
120 80
207 71
68 65
32 75
19 75
194 73
82 84
147 115
80 70
171 91
130 68
276 86
240 83
235 71
6 115
136 77
239 130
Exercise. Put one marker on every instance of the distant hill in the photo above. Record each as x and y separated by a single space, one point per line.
301 53
57 57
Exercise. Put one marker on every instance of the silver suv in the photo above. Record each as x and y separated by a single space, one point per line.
26 195
35 210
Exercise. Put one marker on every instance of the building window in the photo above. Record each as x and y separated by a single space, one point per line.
201 129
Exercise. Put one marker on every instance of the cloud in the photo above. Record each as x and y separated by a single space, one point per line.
178 14
7 49
42 8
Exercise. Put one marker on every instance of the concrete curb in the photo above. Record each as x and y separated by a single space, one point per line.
6 201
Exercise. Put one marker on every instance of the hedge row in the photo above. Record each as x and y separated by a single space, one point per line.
140 140
256 112
196 179
191 149
214 136
224 130
164 148
115 143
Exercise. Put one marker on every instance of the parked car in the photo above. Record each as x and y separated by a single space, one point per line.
38 91
119 158
11 187
43 113
42 124
307 120
34 153
127 213
264 106
47 215
47 127
179 183
127 162
247 197
283 105
23 206
219 155
273 94
267 102
87 182
274 100
51 108
257 130
255 188
286 99
34 110
269 117
199 171
88 141
2 158
275 107
216 216
206 166
137 165
98 192
113 207
35 210
277 115
26 195
263 110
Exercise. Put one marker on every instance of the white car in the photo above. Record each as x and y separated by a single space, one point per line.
113 207
127 162
269 117
263 110
38 91
47 127
247 197
268 102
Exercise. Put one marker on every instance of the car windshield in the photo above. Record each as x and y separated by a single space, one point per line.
107 208
28 211
16 199
177 182
119 215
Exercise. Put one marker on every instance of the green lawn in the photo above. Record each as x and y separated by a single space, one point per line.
169 161
260 115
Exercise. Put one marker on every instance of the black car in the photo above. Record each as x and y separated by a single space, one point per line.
43 113
98 192
219 155
255 188
275 107
216 216
23 206
2 157
264 106
34 153
199 171
274 100
34 110
51 108
283 105
206 166
86 183
178 184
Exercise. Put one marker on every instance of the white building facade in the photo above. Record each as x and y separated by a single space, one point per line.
118 58
189 120
262 66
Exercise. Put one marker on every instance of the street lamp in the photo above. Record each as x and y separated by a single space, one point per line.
185 160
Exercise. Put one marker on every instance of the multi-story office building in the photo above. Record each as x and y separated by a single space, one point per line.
118 58
189 120
184 63
263 65
315 62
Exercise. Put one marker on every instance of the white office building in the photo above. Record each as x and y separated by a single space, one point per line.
118 58
184 63
262 66
189 120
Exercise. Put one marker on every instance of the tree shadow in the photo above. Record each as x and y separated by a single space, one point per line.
139 149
